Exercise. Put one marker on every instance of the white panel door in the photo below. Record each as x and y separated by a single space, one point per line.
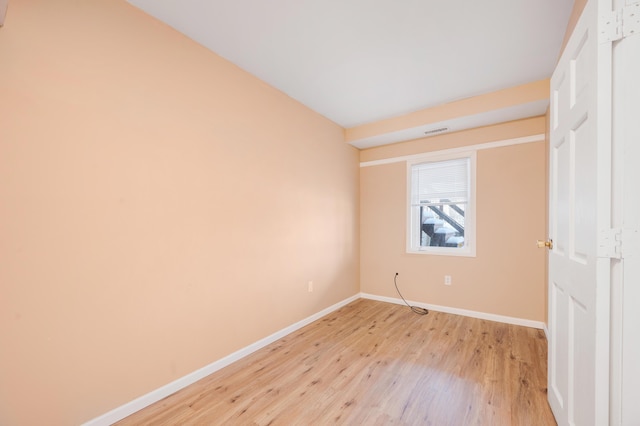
579 221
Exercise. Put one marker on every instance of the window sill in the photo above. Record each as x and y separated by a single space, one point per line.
439 251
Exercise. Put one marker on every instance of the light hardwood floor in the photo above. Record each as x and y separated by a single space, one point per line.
375 363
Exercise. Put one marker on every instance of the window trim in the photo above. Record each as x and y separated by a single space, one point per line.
469 250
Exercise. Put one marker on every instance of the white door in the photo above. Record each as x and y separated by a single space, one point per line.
579 225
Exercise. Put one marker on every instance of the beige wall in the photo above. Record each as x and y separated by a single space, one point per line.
578 7
507 277
159 209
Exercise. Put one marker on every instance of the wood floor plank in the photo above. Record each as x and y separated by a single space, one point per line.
375 363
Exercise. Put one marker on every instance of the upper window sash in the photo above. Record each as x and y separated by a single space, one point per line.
441 181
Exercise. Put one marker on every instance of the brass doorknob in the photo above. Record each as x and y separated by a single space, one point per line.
548 244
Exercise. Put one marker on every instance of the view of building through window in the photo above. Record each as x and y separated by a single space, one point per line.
440 194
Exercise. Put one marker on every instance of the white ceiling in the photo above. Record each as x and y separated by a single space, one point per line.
360 61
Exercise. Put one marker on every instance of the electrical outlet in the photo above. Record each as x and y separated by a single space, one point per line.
447 280
310 286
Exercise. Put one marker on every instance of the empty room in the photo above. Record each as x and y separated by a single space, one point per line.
306 213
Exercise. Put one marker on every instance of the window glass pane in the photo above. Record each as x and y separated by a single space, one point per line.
439 200
442 225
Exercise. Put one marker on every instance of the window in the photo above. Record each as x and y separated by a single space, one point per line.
441 205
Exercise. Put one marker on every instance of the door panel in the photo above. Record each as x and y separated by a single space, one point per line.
579 210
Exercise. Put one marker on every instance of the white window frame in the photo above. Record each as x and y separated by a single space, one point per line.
469 249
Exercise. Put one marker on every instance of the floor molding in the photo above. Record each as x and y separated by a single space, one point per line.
144 401
467 313
546 331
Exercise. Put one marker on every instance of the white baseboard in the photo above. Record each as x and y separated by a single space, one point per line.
546 331
138 404
457 311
